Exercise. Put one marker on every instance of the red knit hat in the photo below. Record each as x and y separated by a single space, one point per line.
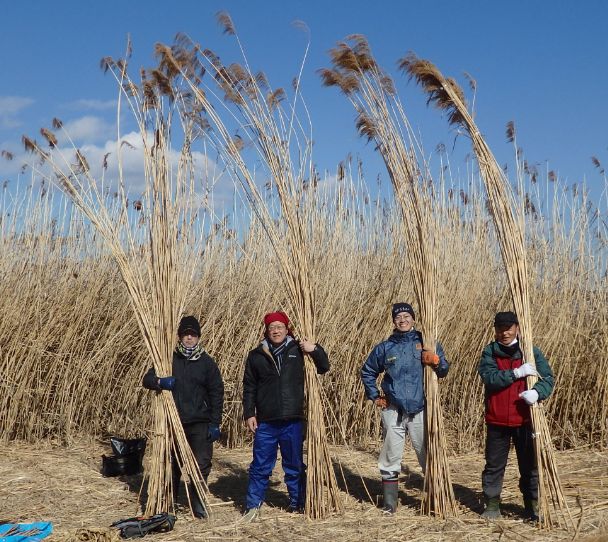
276 317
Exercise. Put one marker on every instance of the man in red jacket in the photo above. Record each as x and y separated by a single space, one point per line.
508 402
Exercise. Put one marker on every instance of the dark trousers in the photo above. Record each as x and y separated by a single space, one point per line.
201 446
498 443
288 436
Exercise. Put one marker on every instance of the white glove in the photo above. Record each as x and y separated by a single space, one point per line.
525 370
529 396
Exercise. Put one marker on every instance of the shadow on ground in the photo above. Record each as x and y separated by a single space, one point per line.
369 490
232 484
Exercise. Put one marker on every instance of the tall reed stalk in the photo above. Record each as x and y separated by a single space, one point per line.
381 118
510 227
276 135
155 269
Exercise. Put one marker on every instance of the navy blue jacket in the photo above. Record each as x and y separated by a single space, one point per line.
399 358
272 392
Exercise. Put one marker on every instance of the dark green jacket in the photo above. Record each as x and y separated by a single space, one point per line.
503 404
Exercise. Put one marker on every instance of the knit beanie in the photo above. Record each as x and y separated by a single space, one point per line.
276 317
189 323
402 307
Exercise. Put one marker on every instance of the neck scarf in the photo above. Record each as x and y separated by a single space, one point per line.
192 352
278 351
510 349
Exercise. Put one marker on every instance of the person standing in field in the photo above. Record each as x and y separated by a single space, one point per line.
198 390
273 409
507 404
402 359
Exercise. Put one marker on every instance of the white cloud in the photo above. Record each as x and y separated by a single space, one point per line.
94 105
86 129
10 107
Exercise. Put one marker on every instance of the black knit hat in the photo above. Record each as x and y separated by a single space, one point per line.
189 323
505 319
402 307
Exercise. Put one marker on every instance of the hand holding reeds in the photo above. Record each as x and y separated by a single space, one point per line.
307 346
529 396
381 402
524 371
166 383
430 358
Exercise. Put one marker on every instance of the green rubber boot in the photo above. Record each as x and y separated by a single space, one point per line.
492 509
391 493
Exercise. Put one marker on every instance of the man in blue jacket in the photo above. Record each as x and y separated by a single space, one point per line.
402 359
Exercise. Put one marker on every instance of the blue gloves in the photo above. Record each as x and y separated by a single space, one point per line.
166 383
214 432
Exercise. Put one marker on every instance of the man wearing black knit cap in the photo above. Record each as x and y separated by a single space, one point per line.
504 372
402 359
198 391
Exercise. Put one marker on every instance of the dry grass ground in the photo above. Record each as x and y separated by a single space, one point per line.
45 482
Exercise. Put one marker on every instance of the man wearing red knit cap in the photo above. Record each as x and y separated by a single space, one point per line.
273 408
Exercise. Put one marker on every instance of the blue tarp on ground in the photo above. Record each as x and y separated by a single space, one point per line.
24 532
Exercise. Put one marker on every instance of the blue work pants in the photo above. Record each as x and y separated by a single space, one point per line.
269 436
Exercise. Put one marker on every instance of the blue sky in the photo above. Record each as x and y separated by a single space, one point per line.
542 64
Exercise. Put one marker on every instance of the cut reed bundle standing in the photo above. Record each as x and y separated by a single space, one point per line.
381 118
153 245
446 94
277 136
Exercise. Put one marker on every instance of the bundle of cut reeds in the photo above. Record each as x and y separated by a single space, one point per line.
381 118
154 260
446 94
276 135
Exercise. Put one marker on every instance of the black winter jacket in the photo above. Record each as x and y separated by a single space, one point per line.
199 389
271 393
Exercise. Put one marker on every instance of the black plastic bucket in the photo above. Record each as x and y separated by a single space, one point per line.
127 458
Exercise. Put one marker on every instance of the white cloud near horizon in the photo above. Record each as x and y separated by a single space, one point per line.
130 149
10 107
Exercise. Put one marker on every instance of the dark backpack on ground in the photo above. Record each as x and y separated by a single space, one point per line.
140 527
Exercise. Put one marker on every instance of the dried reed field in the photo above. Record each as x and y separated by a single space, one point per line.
79 371
95 278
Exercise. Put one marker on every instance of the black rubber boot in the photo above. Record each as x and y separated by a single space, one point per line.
531 507
198 510
175 478
492 509
391 492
